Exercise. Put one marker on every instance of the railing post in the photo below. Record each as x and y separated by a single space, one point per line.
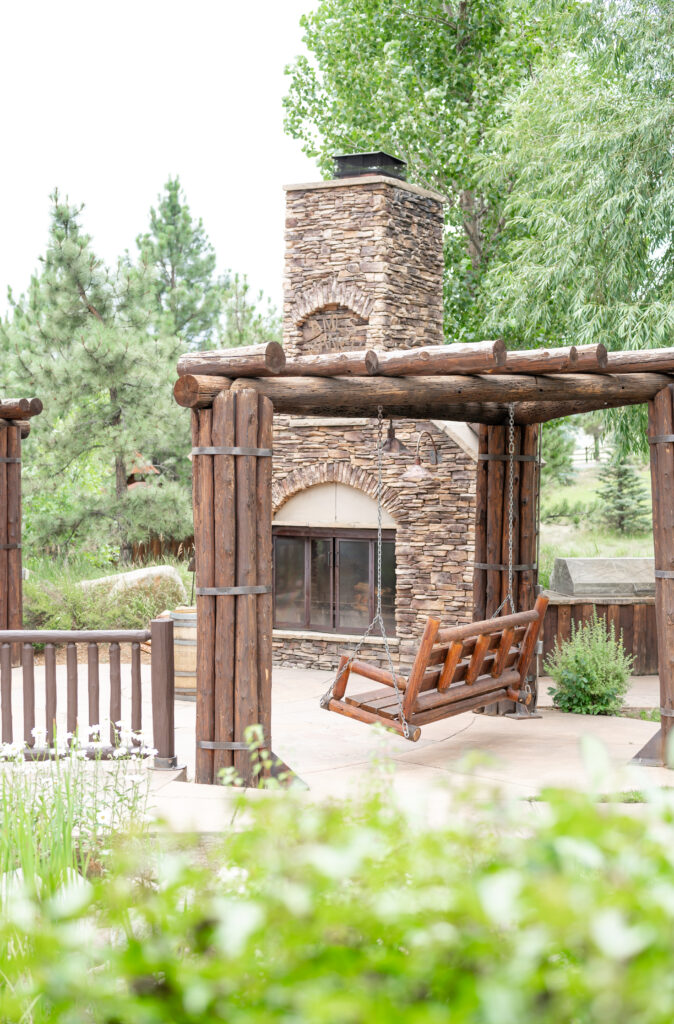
163 684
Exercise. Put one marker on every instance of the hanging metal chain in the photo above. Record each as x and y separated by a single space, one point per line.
378 619
511 510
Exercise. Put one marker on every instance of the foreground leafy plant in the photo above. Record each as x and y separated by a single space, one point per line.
591 670
317 913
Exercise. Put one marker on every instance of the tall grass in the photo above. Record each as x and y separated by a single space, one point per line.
60 816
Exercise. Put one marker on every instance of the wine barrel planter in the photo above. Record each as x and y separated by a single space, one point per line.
185 651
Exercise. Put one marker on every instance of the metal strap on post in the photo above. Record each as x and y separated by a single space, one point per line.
492 457
661 439
667 712
491 567
219 745
6 458
230 591
219 450
10 547
664 574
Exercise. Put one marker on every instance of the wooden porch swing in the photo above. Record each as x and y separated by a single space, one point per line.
462 668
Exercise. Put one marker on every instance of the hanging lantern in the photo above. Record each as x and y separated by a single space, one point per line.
392 445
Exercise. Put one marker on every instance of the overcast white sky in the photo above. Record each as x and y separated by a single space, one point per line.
105 100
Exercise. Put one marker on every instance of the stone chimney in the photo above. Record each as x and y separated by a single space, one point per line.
363 260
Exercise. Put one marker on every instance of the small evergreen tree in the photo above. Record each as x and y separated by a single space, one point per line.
189 297
623 503
558 444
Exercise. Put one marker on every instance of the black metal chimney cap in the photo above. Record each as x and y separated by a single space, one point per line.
352 165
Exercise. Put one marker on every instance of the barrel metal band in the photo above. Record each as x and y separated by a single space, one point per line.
219 745
9 547
6 458
661 439
664 574
221 450
667 712
504 568
229 591
506 458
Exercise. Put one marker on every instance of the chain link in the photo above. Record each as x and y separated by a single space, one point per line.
378 619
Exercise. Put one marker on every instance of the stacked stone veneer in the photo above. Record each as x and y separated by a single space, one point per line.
435 523
363 266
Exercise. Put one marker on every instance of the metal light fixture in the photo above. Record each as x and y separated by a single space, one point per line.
392 445
418 474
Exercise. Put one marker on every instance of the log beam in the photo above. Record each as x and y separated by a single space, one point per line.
436 397
199 391
245 361
474 357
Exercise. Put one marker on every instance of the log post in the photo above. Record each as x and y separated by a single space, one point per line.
246 651
224 498
14 582
204 547
495 484
528 578
163 682
265 601
480 575
4 576
660 429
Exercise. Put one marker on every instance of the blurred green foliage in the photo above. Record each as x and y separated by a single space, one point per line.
315 913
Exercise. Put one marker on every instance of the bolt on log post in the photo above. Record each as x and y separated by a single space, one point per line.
232 522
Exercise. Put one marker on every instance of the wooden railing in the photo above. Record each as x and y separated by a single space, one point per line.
160 638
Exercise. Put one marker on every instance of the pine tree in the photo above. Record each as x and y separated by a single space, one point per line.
81 339
557 446
189 296
246 322
623 503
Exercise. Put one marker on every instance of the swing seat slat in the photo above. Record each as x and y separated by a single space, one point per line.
456 669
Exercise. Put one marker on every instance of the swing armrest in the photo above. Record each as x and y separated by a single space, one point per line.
377 675
361 668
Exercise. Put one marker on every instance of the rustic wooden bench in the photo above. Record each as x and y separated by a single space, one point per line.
457 669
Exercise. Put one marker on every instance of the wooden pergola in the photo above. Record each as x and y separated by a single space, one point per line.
15 416
233 394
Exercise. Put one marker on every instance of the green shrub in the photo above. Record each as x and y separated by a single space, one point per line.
317 913
591 670
61 603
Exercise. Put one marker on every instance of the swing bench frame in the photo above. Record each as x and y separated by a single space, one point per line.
458 669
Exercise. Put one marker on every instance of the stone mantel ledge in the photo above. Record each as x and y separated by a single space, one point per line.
367 179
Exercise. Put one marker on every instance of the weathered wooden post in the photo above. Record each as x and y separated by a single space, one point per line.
11 605
233 548
163 683
492 513
661 442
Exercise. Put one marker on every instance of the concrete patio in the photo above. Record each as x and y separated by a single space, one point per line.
336 757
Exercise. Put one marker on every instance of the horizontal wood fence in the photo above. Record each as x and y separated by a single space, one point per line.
634 619
160 637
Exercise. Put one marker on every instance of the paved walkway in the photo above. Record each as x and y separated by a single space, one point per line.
337 757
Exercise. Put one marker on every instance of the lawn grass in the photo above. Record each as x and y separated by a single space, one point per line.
590 538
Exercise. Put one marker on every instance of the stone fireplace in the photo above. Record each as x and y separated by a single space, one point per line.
364 269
